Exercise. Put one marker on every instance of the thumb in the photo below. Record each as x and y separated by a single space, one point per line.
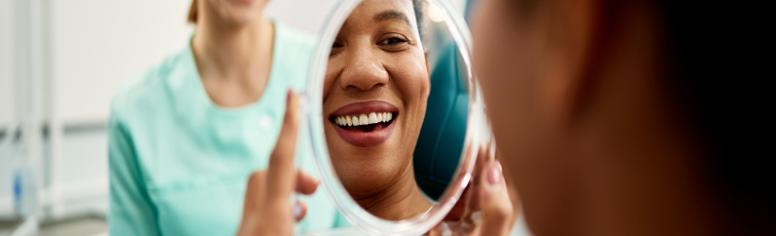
495 205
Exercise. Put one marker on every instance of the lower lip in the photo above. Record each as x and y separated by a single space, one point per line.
365 139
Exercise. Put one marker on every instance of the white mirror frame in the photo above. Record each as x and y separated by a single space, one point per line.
477 133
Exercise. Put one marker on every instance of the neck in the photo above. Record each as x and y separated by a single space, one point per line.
641 173
233 59
402 199
231 49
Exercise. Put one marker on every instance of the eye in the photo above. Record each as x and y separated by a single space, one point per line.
336 44
336 47
392 41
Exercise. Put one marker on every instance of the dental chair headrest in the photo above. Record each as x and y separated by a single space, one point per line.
440 143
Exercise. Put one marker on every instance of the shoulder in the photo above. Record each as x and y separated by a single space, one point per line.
150 91
294 49
294 40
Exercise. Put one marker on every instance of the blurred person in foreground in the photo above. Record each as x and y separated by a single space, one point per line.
627 117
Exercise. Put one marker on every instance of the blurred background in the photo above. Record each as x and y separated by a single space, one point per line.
61 62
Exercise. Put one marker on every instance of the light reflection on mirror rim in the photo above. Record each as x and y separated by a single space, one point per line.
477 132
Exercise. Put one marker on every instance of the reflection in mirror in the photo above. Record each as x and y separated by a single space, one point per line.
395 106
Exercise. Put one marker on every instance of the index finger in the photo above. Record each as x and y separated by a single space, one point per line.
281 172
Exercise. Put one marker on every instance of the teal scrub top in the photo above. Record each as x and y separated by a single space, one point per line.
179 163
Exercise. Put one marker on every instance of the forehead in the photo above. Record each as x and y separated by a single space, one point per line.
371 12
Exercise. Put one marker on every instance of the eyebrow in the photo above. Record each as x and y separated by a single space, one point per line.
391 15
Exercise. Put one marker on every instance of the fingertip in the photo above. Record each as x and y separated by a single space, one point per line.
495 202
292 108
289 95
292 100
305 183
495 175
493 189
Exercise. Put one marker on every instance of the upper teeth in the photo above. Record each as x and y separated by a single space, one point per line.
363 119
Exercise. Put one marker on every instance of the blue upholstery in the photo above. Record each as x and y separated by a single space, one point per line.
440 144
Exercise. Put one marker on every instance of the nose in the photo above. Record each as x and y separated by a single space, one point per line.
363 71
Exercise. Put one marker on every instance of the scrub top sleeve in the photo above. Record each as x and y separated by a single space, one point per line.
131 211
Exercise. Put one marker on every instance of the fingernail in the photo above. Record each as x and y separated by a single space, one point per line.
296 210
494 174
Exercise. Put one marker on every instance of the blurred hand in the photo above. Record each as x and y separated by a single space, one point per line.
485 208
266 208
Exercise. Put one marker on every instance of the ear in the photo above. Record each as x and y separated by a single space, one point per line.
570 58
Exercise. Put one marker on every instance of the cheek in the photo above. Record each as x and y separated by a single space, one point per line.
489 43
334 68
489 54
411 77
328 80
504 64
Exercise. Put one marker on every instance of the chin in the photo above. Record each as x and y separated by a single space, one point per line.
364 181
364 175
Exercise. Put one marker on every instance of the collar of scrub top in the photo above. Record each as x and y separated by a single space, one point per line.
190 96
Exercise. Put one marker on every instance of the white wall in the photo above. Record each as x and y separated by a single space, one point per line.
306 15
101 46
6 53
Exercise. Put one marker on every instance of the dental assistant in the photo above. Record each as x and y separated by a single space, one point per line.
184 139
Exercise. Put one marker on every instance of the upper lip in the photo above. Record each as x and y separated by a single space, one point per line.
363 108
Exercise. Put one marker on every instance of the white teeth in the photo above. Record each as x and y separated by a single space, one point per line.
363 119
354 119
372 118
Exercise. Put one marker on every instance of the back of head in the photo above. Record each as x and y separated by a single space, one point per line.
714 75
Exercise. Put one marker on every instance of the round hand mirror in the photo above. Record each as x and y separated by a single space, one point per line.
393 110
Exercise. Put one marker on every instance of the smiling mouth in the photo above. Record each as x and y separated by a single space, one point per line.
365 124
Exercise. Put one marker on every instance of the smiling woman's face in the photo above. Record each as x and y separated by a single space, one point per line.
375 93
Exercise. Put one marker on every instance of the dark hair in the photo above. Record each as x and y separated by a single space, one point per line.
711 76
706 52
712 86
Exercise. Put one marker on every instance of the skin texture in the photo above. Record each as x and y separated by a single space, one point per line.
233 50
585 128
379 59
